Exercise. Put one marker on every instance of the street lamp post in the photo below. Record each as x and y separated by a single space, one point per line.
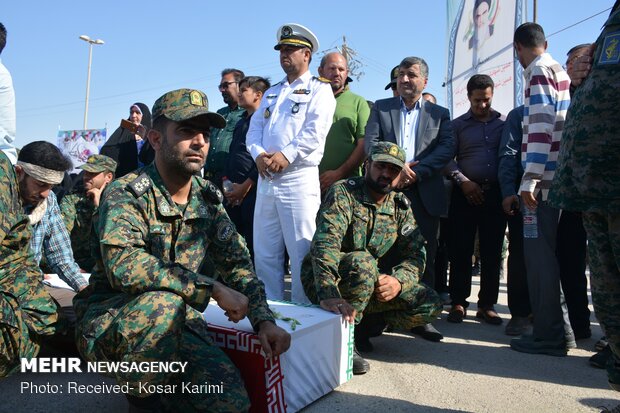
90 42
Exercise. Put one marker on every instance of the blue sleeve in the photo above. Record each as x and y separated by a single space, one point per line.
509 170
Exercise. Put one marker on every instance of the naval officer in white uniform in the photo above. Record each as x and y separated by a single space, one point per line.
286 138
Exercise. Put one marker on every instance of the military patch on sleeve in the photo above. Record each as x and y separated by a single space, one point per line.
611 49
140 185
406 230
213 194
402 201
351 183
225 231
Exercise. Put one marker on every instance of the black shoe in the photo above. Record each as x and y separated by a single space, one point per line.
489 315
360 366
529 344
427 332
599 360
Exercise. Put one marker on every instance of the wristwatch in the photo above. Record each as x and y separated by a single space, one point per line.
456 177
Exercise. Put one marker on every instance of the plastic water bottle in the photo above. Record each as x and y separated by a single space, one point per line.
227 185
265 185
530 223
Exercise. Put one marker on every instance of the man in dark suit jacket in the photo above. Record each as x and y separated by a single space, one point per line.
424 131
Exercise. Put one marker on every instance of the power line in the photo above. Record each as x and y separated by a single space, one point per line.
579 22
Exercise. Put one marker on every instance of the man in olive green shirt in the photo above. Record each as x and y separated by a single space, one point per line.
344 145
221 138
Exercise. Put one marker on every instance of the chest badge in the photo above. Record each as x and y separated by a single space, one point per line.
295 108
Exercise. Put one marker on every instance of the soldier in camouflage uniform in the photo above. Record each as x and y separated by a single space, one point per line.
359 222
26 309
77 209
588 177
160 229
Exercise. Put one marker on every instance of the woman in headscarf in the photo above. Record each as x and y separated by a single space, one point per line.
130 149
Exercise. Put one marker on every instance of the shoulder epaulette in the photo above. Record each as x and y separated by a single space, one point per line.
321 79
212 193
402 201
140 185
351 183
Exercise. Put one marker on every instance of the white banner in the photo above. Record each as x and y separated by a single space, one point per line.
481 43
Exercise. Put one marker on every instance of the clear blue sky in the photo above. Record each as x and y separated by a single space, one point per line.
168 45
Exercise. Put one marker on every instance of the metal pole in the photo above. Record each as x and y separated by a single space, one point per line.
90 59
535 11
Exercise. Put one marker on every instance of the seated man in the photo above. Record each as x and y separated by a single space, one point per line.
160 229
77 209
27 311
40 166
359 222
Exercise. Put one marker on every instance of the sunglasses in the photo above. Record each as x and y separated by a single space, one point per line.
224 85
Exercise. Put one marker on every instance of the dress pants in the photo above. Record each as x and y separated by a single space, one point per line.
518 295
285 215
543 276
490 221
429 228
571 253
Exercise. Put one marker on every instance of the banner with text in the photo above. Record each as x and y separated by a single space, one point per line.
481 43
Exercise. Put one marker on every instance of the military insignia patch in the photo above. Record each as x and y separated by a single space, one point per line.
301 92
164 207
295 108
195 98
202 210
611 51
140 185
225 231
213 194
394 150
287 31
406 230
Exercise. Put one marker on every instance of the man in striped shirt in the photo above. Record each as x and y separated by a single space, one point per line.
547 98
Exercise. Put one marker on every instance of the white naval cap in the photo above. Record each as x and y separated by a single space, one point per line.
294 34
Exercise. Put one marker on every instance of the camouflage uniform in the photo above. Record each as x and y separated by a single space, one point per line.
588 177
26 310
150 286
77 213
345 260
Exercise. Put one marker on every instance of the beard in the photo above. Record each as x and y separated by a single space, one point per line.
178 161
381 185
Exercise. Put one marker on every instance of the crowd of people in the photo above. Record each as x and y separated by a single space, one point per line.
363 203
